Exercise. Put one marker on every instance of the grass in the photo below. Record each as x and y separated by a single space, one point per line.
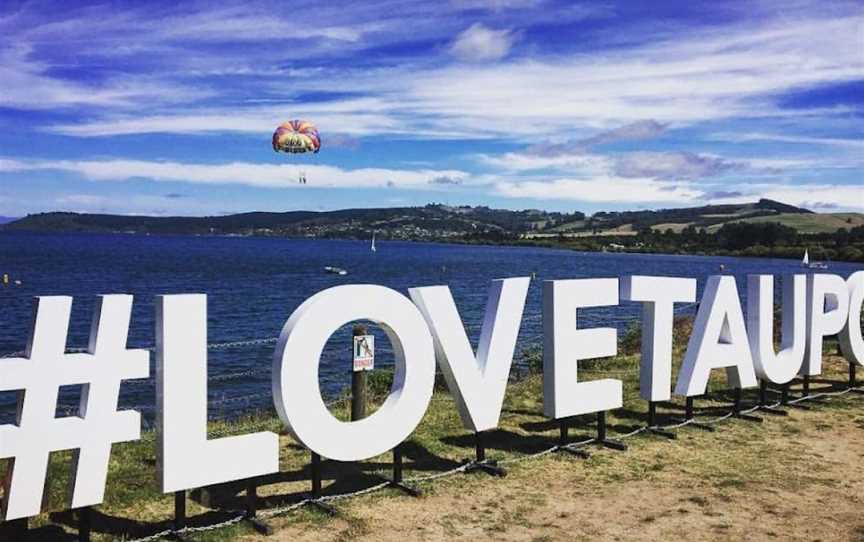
134 506
809 223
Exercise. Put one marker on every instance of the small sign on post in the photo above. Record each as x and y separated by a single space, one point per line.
363 356
364 352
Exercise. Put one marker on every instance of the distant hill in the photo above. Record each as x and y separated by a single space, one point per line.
429 222
7 219
709 217
446 222
810 223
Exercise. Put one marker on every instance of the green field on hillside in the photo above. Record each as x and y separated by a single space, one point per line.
808 223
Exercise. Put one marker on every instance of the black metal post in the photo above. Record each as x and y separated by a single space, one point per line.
489 466
358 383
252 508
564 441
805 388
397 480
84 524
763 401
397 464
251 498
784 398
853 383
688 415
316 476
18 528
316 501
652 423
601 439
179 516
736 408
179 510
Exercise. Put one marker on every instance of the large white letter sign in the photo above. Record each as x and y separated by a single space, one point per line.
477 383
564 345
827 311
296 390
781 367
658 296
40 374
719 340
185 458
851 342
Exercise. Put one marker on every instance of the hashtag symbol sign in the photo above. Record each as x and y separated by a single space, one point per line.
38 376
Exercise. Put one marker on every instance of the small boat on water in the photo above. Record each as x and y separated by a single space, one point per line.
373 243
335 270
805 262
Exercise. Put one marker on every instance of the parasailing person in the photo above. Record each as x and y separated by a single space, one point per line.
297 137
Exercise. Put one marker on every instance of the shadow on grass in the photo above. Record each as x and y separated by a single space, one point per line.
502 439
229 499
118 527
337 477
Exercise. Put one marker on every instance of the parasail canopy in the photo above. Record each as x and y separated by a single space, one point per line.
296 136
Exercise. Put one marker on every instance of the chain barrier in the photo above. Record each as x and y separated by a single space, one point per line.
240 516
274 512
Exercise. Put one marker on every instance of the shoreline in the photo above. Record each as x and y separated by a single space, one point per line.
786 254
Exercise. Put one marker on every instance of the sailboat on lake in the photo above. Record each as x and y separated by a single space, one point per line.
372 247
805 262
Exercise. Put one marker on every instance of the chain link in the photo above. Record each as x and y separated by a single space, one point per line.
239 516
266 514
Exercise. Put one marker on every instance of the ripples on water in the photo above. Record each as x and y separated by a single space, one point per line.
253 285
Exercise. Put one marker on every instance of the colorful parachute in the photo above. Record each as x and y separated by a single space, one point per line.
296 136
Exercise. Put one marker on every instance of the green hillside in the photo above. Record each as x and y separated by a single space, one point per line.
809 223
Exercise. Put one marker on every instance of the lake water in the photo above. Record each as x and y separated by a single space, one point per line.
254 284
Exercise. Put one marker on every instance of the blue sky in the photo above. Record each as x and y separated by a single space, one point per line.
154 108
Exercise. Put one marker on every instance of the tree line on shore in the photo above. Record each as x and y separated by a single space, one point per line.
759 239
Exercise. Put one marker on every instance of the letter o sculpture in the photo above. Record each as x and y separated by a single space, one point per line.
296 389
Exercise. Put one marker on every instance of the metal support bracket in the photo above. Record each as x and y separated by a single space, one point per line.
652 423
261 526
315 496
480 463
601 439
564 441
736 408
397 481
688 416
763 401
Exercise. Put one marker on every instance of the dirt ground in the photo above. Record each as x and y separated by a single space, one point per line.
789 478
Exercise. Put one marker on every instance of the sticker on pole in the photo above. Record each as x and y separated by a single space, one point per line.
364 352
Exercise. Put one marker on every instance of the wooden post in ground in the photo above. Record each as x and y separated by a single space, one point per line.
358 383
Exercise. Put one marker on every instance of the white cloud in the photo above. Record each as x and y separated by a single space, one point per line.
831 196
85 200
631 191
602 190
479 43
680 165
494 5
730 72
756 136
129 204
522 162
245 173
